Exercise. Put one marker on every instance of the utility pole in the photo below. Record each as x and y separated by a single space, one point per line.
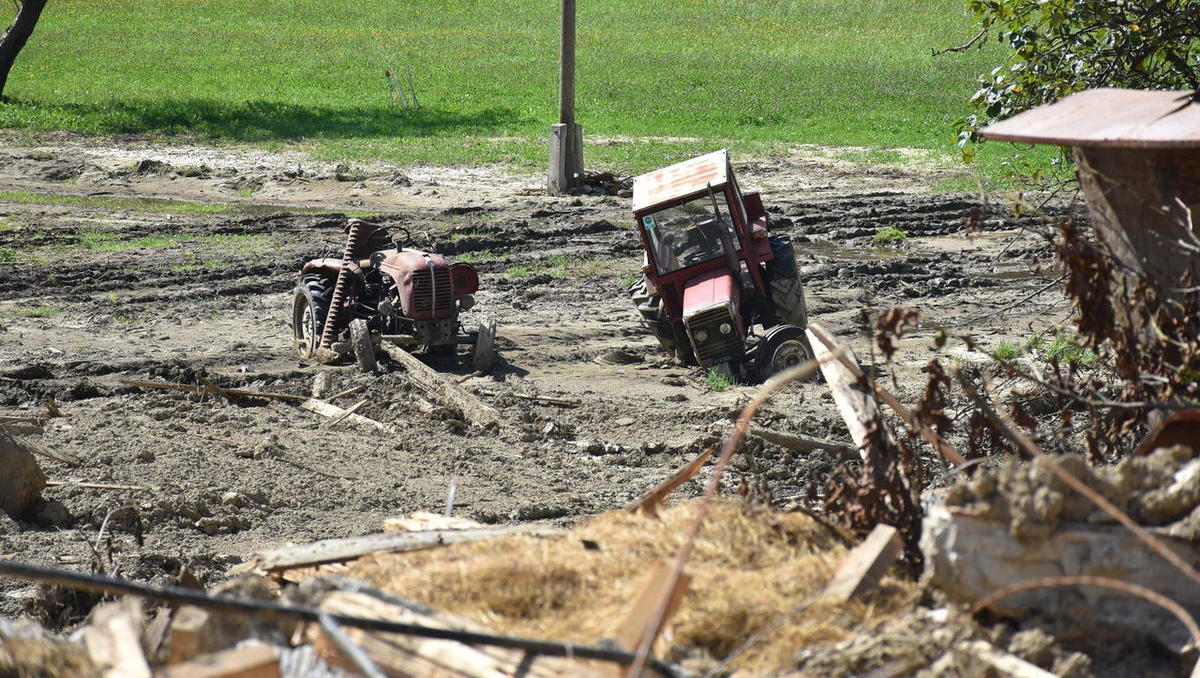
566 137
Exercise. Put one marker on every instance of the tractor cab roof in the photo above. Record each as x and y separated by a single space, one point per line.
681 180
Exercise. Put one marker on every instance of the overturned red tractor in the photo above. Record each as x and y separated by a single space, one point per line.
380 291
717 288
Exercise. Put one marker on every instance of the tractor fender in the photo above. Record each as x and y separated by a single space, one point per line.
328 265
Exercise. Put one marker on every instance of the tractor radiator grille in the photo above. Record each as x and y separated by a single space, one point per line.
432 294
716 345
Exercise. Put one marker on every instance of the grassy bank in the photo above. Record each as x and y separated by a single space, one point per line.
692 74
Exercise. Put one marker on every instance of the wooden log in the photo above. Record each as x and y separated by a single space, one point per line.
327 409
803 443
403 656
250 661
41 451
442 389
865 565
114 640
349 548
648 503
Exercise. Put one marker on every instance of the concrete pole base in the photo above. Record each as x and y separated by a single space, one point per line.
566 157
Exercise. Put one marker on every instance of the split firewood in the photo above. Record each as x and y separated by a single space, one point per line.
440 388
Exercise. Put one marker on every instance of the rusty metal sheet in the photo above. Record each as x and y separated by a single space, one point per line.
1128 118
681 179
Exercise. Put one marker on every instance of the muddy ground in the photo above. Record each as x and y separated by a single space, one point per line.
100 288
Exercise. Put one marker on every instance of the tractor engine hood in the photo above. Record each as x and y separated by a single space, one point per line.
423 283
709 289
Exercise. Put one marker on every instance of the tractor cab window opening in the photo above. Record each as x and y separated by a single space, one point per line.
686 234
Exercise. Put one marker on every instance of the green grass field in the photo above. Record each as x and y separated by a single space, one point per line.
754 75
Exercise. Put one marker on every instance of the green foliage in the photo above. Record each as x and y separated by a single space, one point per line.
475 257
1005 351
518 271
628 280
888 235
717 381
1058 47
8 254
31 312
690 75
1064 349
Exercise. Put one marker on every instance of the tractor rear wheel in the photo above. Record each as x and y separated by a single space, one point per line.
787 293
363 346
309 309
670 336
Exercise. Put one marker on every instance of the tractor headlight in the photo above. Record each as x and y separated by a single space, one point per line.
466 302
726 328
701 336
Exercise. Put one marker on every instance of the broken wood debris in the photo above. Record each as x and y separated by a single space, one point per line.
249 661
98 486
349 411
211 388
865 565
529 648
648 503
802 443
349 548
350 391
438 387
327 409
826 342
549 400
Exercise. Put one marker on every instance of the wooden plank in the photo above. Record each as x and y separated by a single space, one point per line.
342 417
1007 664
865 565
648 503
98 486
114 640
1125 118
442 389
634 628
327 409
188 634
399 655
349 548
250 661
939 444
855 404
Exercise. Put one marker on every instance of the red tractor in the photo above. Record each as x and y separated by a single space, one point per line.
717 288
379 291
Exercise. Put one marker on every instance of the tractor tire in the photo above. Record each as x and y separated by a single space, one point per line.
671 336
362 345
781 348
309 310
787 293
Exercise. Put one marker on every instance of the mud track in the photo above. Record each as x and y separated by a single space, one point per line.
118 282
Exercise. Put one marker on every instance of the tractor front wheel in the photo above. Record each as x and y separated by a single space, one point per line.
670 336
309 309
781 348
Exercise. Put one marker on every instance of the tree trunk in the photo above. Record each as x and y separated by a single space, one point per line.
14 38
